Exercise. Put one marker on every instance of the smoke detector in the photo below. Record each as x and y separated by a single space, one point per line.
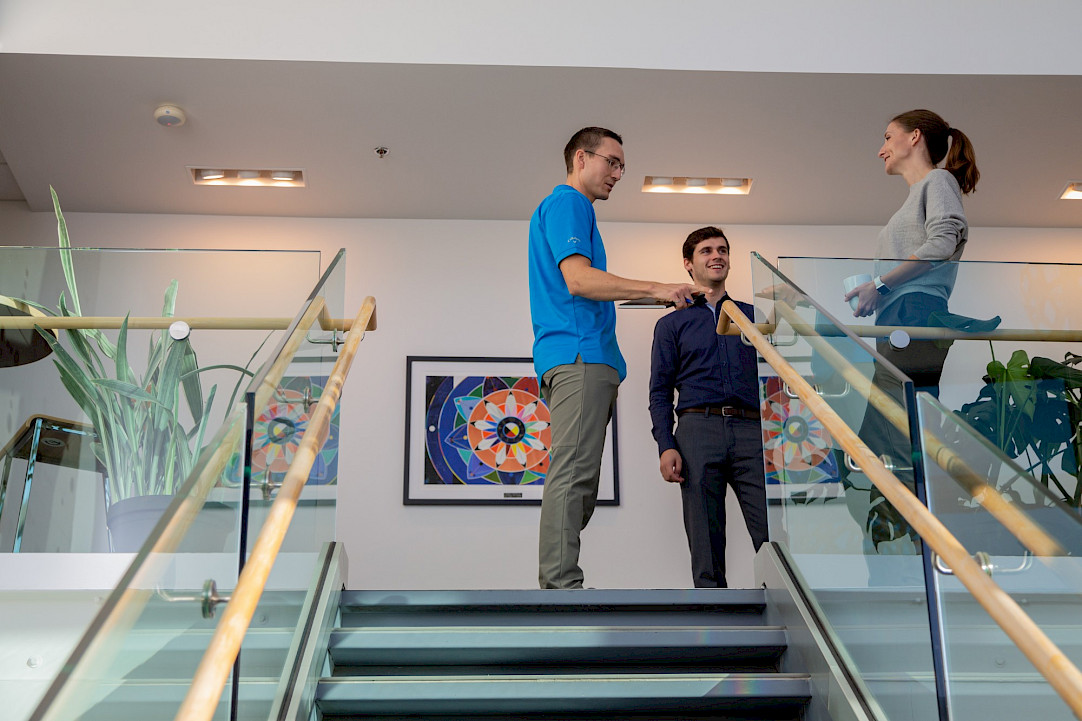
170 116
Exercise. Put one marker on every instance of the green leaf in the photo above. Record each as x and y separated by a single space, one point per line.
200 430
79 343
220 366
65 252
170 304
189 380
168 389
123 370
127 390
36 306
1047 368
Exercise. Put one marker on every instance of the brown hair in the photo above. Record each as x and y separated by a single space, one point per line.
961 160
586 139
698 236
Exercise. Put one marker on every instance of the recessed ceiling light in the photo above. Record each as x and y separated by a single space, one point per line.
1073 191
699 186
278 178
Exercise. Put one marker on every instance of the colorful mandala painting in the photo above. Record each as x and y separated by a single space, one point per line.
279 429
797 447
485 430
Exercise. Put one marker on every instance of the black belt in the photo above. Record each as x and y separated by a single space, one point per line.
722 411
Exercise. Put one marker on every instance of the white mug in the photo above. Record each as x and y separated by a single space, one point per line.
852 282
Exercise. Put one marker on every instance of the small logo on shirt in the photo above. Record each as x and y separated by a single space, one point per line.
573 240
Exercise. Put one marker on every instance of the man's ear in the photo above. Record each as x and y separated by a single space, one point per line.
687 266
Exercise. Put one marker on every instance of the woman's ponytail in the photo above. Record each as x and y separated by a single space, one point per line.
962 162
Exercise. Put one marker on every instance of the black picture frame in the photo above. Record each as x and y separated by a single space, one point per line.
439 389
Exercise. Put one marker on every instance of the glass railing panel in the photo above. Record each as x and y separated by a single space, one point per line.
86 428
1028 408
861 562
283 396
980 496
143 644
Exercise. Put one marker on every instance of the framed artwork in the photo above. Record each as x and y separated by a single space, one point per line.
279 429
798 451
477 432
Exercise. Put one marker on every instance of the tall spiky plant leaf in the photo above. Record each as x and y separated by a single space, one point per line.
155 356
200 430
65 252
170 304
67 364
80 344
128 390
124 371
168 381
189 381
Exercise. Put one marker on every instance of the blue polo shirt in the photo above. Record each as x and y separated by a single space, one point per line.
567 326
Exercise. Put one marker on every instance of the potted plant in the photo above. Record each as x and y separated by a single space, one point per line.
142 445
1031 409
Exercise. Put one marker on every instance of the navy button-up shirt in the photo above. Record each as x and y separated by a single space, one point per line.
706 369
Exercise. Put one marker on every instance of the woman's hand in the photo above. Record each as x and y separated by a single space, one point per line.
869 299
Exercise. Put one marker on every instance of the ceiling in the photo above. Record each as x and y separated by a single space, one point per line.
485 142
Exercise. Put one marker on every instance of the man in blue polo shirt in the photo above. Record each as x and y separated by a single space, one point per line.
718 442
576 356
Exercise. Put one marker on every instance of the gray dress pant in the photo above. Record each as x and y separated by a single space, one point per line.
719 451
580 398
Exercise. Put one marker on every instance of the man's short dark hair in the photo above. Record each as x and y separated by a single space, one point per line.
698 236
586 139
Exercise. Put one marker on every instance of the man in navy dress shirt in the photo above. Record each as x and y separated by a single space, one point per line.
718 441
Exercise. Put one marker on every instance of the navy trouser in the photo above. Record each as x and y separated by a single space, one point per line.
718 452
922 361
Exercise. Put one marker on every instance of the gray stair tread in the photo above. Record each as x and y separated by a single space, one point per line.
547 693
492 644
594 599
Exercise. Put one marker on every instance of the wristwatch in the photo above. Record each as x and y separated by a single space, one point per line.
880 286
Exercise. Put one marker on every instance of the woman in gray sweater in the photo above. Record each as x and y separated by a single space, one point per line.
912 280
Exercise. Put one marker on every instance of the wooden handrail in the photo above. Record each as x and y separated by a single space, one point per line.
923 332
206 689
1057 669
1022 526
155 322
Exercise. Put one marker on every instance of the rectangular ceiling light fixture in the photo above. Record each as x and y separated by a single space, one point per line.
1073 191
700 186
281 178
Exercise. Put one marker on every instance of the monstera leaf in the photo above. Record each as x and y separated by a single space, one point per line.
1030 409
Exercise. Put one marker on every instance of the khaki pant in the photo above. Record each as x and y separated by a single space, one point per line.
580 398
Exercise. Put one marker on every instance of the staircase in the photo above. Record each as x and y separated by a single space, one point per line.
586 654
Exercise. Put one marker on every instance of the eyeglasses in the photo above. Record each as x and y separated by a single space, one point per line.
614 164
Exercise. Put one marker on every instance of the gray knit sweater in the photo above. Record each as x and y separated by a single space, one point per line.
930 225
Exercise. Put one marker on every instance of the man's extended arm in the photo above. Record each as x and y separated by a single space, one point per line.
586 281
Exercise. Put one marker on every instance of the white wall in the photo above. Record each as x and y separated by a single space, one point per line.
1038 37
459 288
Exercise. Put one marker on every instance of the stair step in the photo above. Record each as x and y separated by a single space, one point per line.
753 694
683 607
497 645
